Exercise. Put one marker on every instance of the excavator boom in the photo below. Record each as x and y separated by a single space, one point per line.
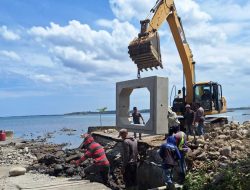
145 52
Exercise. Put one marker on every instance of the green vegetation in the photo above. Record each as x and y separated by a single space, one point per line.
234 177
101 111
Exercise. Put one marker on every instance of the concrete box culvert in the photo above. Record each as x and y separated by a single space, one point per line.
158 89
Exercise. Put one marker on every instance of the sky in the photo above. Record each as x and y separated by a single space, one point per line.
60 56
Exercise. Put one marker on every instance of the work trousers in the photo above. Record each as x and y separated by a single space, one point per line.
100 170
130 175
200 129
182 165
136 135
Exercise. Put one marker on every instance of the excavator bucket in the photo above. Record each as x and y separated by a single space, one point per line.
145 51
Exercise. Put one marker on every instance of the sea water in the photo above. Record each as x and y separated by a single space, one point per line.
31 127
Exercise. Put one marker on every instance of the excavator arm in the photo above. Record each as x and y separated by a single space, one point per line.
145 52
164 10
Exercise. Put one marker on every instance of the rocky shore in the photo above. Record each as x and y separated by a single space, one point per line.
221 147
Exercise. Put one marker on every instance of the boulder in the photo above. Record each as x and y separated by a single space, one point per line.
224 137
70 171
213 155
200 141
223 158
48 159
197 152
226 151
202 156
73 157
239 147
16 171
213 134
59 153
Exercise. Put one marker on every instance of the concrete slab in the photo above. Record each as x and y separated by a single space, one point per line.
158 89
31 181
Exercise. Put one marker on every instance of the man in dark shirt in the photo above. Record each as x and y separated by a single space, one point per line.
189 120
129 159
199 119
136 119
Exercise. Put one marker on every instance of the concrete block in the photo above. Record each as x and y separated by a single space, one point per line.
158 88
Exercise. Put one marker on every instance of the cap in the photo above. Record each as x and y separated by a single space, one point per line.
122 131
84 135
87 138
187 106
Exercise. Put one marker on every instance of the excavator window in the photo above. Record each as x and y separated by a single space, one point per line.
203 95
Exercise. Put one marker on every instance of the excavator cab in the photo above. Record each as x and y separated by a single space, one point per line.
209 95
145 50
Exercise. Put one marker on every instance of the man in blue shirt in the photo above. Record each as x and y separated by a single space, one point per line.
170 155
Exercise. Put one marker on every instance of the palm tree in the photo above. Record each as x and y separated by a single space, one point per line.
101 110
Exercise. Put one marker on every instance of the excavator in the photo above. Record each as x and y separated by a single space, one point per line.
145 53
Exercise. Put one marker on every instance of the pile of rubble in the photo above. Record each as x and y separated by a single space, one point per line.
220 147
12 156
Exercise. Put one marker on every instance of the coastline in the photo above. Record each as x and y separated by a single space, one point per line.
221 147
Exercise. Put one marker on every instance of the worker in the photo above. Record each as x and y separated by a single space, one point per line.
170 156
136 119
206 95
129 159
189 120
95 151
199 119
181 139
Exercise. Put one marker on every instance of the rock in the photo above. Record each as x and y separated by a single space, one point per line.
202 156
213 134
226 129
58 168
16 171
40 156
48 159
239 141
200 141
26 149
59 153
223 165
224 137
206 136
73 157
223 158
213 155
111 130
244 132
197 152
239 147
226 151
70 171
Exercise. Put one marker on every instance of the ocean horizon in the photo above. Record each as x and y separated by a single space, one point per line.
68 128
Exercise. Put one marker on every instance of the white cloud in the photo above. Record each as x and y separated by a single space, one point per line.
10 55
78 54
79 47
224 10
126 10
191 11
42 78
19 94
8 34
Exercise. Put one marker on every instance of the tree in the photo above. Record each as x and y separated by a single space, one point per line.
101 110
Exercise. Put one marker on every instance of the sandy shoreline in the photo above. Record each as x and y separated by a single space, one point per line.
13 153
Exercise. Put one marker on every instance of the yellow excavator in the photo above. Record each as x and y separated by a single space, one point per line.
145 52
